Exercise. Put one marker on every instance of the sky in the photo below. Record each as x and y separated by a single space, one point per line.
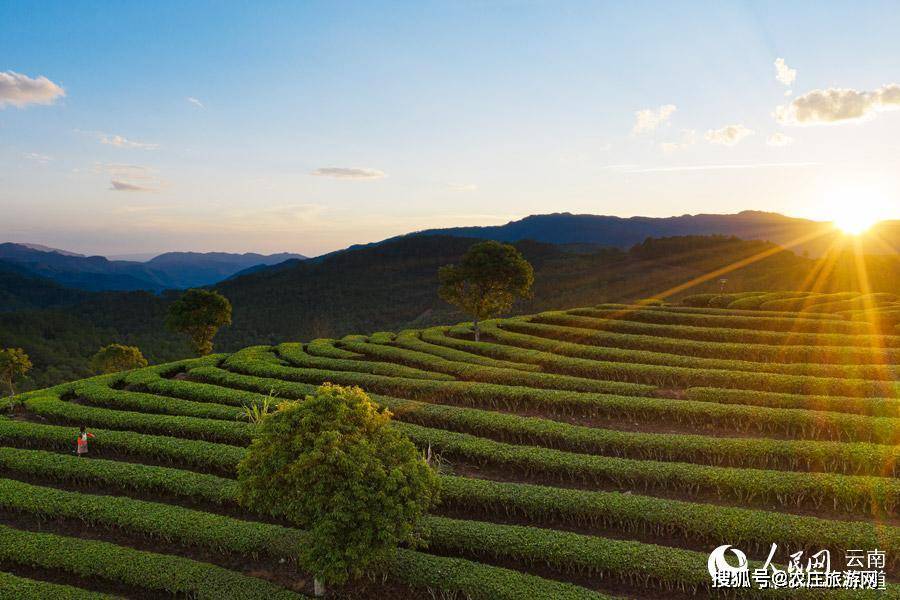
130 127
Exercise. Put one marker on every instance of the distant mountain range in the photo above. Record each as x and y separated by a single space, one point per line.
801 235
172 270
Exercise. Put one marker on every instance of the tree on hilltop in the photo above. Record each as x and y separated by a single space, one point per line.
333 465
199 314
14 364
117 357
487 281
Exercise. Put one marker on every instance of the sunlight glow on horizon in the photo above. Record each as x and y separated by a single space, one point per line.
854 208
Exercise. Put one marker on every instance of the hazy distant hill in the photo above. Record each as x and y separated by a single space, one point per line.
566 228
191 269
167 271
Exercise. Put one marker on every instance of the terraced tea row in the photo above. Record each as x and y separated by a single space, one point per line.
570 468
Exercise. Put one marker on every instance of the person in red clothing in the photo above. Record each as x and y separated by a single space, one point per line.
82 444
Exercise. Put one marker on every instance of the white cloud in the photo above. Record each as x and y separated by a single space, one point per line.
649 119
117 185
783 73
21 90
837 105
38 158
688 138
779 139
728 136
348 173
195 102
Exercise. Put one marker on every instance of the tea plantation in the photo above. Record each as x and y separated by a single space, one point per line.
584 454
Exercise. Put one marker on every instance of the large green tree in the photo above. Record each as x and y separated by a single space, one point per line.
199 314
14 364
113 358
334 465
487 281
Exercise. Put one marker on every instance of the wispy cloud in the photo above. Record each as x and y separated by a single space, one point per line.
118 141
728 135
37 157
130 178
838 105
779 139
21 90
195 102
650 119
719 167
348 173
117 185
783 73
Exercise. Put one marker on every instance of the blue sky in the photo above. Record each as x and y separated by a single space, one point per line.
318 125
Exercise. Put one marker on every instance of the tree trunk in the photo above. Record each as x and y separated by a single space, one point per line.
318 588
12 390
476 329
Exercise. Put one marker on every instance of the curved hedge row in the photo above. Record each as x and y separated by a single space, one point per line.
794 324
193 454
727 350
853 494
669 370
146 570
699 523
228 535
59 411
296 356
718 334
696 310
857 458
799 423
849 493
568 553
16 588
119 475
873 407
462 371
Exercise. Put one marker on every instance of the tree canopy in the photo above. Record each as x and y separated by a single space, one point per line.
199 314
487 280
14 364
113 358
334 465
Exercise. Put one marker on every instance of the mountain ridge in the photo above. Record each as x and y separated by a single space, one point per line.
170 270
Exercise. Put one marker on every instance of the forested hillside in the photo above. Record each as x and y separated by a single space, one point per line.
393 286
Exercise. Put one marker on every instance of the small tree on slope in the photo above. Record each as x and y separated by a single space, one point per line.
199 314
487 281
333 465
117 357
14 363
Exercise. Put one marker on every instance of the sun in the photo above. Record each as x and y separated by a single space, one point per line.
855 222
855 209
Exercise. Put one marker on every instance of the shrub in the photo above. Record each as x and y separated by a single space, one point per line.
116 357
333 465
